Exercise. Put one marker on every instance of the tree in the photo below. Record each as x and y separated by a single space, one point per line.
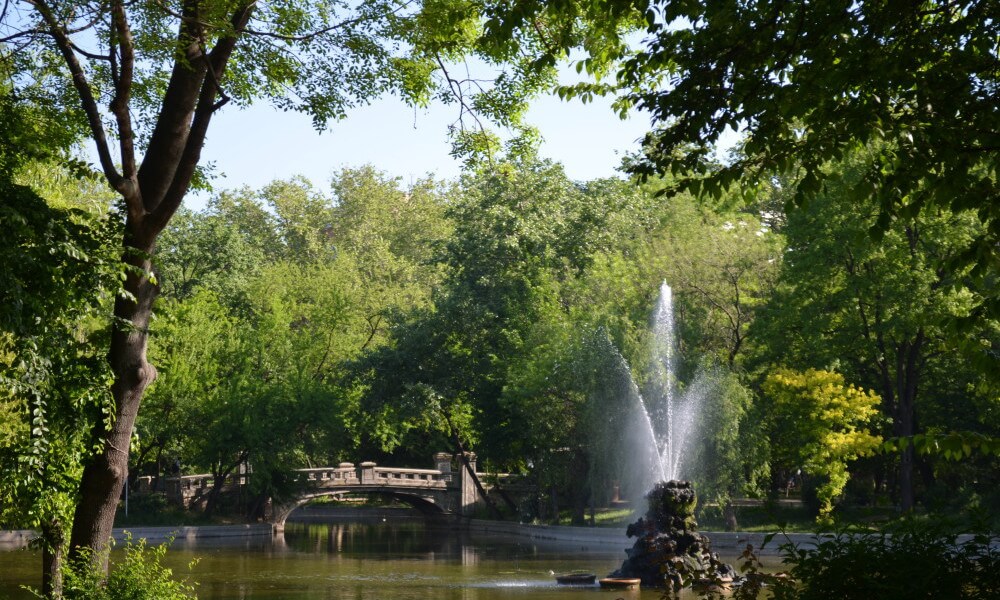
273 291
522 232
199 356
258 389
807 83
883 310
58 278
207 252
507 235
819 423
164 71
394 235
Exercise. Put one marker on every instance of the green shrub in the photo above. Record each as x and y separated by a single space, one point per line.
138 575
909 560
905 561
155 502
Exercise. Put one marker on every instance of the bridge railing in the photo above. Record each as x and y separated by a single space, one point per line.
188 483
343 475
410 477
188 488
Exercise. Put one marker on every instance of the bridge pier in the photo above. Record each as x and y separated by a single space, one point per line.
468 492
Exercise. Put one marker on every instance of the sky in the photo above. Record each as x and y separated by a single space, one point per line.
257 145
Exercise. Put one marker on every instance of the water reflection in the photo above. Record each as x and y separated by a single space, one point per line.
368 559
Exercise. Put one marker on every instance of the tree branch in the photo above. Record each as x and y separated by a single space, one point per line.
224 98
306 36
173 124
89 55
123 89
20 34
215 63
456 90
319 32
372 330
86 94
97 17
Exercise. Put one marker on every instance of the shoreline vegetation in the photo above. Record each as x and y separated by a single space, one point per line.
610 530
754 516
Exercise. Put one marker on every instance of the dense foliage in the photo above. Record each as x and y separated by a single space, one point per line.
514 322
58 277
819 424
807 83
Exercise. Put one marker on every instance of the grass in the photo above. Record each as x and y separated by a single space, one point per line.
603 517
761 519
754 517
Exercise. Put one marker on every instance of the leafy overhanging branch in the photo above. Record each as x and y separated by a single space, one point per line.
954 446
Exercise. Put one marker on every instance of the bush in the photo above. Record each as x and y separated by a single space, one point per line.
908 560
139 575
153 503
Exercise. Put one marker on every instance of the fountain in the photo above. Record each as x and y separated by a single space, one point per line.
651 428
668 551
669 417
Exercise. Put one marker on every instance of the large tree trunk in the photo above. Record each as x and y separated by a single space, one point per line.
105 474
899 393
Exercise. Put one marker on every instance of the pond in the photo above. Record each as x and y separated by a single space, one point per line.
369 558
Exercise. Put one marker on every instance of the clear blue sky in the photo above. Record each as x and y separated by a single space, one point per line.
257 145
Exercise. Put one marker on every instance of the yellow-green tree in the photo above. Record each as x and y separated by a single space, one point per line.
819 423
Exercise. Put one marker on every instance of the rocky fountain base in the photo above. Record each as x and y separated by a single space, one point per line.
669 551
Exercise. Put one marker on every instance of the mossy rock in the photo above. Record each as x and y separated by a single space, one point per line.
672 499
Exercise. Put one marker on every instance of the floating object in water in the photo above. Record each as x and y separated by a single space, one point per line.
576 579
613 583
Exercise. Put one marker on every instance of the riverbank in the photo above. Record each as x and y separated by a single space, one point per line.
587 538
728 543
20 538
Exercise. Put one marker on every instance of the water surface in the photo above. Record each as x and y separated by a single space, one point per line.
370 559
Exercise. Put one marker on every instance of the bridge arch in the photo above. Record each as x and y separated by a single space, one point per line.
426 506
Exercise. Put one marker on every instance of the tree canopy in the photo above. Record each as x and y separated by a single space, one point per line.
164 70
806 83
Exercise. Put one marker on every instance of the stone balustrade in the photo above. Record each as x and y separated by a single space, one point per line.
411 477
190 490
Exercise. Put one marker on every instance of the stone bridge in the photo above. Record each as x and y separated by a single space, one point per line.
448 489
